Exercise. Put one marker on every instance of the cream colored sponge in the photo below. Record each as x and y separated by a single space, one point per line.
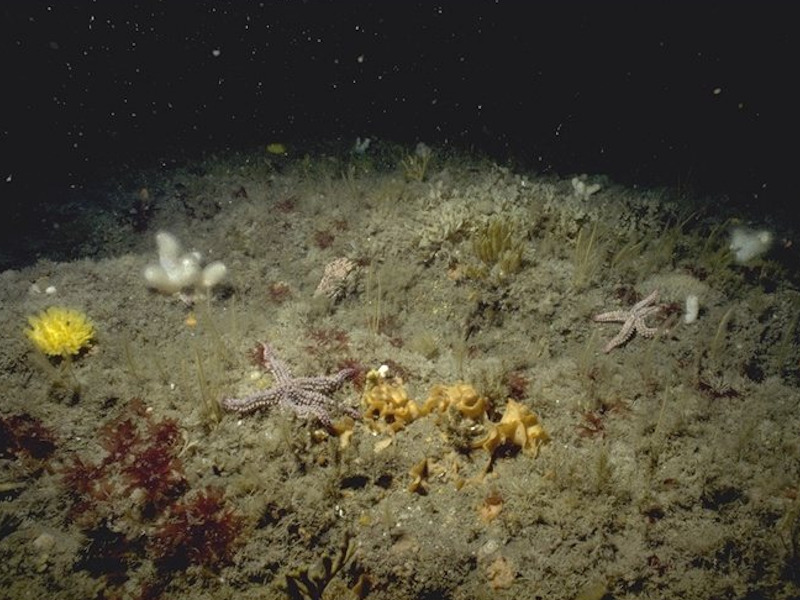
177 271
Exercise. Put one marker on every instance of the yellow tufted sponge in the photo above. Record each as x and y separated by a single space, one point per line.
60 331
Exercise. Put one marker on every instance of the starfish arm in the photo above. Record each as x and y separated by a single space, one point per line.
311 383
614 316
344 375
266 357
253 402
305 404
280 370
322 385
646 301
326 384
643 329
623 336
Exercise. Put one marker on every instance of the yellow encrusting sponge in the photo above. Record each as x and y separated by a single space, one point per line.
60 331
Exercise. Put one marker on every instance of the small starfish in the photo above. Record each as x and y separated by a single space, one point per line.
632 320
305 396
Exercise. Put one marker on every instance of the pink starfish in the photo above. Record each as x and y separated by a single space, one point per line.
632 320
305 396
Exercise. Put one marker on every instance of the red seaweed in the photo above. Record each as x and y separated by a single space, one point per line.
201 530
25 436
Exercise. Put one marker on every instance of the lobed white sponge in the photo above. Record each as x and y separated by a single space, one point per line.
177 271
583 190
746 244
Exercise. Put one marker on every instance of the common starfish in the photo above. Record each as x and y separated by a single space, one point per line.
305 396
632 320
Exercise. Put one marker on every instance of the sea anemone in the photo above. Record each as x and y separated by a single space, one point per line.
60 331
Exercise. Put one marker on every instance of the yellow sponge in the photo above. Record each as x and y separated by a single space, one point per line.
60 331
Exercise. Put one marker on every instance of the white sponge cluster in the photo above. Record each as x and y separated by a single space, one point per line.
746 244
583 190
177 271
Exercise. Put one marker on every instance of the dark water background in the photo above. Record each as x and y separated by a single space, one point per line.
696 96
